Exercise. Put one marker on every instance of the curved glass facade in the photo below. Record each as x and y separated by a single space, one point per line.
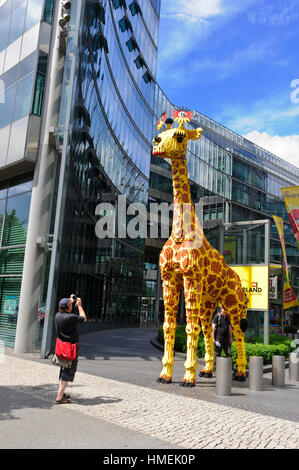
110 151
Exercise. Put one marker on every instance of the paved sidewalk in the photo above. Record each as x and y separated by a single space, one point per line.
118 404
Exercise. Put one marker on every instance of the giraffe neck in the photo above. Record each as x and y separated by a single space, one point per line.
181 187
183 212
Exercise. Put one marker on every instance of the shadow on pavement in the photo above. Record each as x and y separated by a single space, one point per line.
22 397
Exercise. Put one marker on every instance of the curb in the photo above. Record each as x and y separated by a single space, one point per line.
154 341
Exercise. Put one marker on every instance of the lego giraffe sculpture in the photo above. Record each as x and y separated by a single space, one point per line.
188 262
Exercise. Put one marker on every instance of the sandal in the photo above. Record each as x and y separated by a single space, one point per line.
62 401
65 395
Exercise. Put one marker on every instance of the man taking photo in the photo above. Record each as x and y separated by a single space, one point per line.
66 329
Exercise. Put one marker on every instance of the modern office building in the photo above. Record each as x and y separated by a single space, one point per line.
78 90
78 108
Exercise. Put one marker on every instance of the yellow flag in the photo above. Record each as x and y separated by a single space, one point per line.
291 199
289 297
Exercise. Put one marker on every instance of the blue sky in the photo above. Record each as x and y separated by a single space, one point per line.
235 61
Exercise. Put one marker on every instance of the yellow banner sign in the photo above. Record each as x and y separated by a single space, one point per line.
255 282
289 297
291 199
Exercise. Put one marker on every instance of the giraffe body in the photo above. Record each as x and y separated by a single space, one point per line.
188 262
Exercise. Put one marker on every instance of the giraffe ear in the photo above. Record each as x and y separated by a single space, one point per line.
195 134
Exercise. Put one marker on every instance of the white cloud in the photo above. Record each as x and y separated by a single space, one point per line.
192 11
186 22
285 147
275 115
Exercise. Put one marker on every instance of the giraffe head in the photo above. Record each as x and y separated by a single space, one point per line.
172 143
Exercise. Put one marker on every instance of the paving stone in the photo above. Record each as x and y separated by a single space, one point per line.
185 421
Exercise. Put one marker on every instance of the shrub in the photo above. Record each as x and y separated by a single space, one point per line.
279 345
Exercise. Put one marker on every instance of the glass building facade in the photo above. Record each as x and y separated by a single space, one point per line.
109 152
25 28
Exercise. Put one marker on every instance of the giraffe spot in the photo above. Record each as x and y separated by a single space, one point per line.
235 311
216 267
231 274
211 278
208 304
206 262
240 294
219 283
231 285
230 300
168 253
224 292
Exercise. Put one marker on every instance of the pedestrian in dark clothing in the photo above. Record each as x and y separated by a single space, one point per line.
66 329
222 334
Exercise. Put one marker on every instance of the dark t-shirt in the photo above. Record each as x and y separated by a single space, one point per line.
222 327
66 326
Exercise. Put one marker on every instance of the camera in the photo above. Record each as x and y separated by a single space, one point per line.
74 297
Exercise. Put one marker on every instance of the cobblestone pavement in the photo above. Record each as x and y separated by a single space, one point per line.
181 420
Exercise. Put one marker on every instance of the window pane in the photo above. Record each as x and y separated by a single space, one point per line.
17 23
23 97
48 11
20 188
4 27
34 13
11 261
10 77
16 221
38 95
26 66
4 137
7 100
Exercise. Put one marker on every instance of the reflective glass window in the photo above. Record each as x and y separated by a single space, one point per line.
16 220
135 8
4 138
20 188
4 28
17 22
9 77
26 66
7 101
34 13
48 11
5 10
23 97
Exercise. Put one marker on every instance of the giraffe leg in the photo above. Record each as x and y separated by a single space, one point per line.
171 294
240 344
206 320
192 289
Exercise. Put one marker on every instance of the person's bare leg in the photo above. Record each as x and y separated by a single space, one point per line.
62 387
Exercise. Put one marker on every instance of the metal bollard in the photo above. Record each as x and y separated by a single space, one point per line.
278 371
294 366
223 376
256 373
